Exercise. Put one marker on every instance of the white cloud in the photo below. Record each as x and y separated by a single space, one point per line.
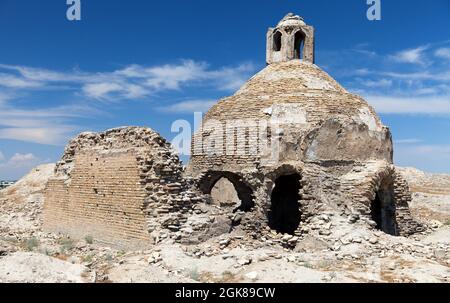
100 90
18 165
443 53
16 82
172 76
189 106
20 160
44 126
413 56
422 75
2 157
429 105
378 83
54 125
408 141
432 158
56 135
131 82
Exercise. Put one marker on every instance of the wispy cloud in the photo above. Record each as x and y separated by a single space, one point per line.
44 126
378 83
429 105
443 53
20 160
130 82
17 82
419 87
413 55
2 157
54 125
408 141
419 75
18 165
189 106
427 157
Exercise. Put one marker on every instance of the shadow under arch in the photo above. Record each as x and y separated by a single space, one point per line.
383 207
243 189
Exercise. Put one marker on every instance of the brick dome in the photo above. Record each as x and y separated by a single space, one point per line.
315 117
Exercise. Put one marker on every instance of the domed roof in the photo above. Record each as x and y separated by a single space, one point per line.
291 20
301 86
291 76
297 107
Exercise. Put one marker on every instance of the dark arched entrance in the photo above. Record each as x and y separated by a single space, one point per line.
243 191
299 44
277 41
284 215
383 210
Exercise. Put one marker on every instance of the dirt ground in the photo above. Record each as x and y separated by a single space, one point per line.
351 255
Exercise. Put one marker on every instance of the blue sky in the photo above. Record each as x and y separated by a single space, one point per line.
149 63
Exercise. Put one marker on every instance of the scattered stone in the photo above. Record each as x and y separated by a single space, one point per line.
245 261
325 232
252 275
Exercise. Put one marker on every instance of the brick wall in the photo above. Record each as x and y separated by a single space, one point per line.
124 187
103 199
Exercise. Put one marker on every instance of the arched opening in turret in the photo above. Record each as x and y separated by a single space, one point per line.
383 210
299 44
277 41
284 215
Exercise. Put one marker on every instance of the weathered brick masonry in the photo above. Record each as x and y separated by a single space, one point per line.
290 146
121 187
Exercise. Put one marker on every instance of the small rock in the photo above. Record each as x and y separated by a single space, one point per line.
287 237
252 275
353 218
226 256
391 266
324 232
373 240
357 240
291 259
263 258
244 261
238 218
224 242
293 240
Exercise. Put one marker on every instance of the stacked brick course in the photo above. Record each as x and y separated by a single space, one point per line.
123 187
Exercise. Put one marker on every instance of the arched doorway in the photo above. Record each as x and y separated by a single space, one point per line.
298 44
277 41
383 210
284 215
228 190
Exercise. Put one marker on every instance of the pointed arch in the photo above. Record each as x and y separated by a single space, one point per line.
277 41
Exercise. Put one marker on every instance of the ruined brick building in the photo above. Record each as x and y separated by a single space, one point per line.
290 145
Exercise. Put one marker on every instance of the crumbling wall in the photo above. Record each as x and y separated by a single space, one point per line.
102 199
406 223
123 187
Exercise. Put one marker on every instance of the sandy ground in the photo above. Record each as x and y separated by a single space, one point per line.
357 255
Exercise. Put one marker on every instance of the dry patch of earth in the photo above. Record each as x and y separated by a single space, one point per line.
354 254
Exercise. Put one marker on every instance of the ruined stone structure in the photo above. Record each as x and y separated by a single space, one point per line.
290 145
121 187
291 39
296 144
